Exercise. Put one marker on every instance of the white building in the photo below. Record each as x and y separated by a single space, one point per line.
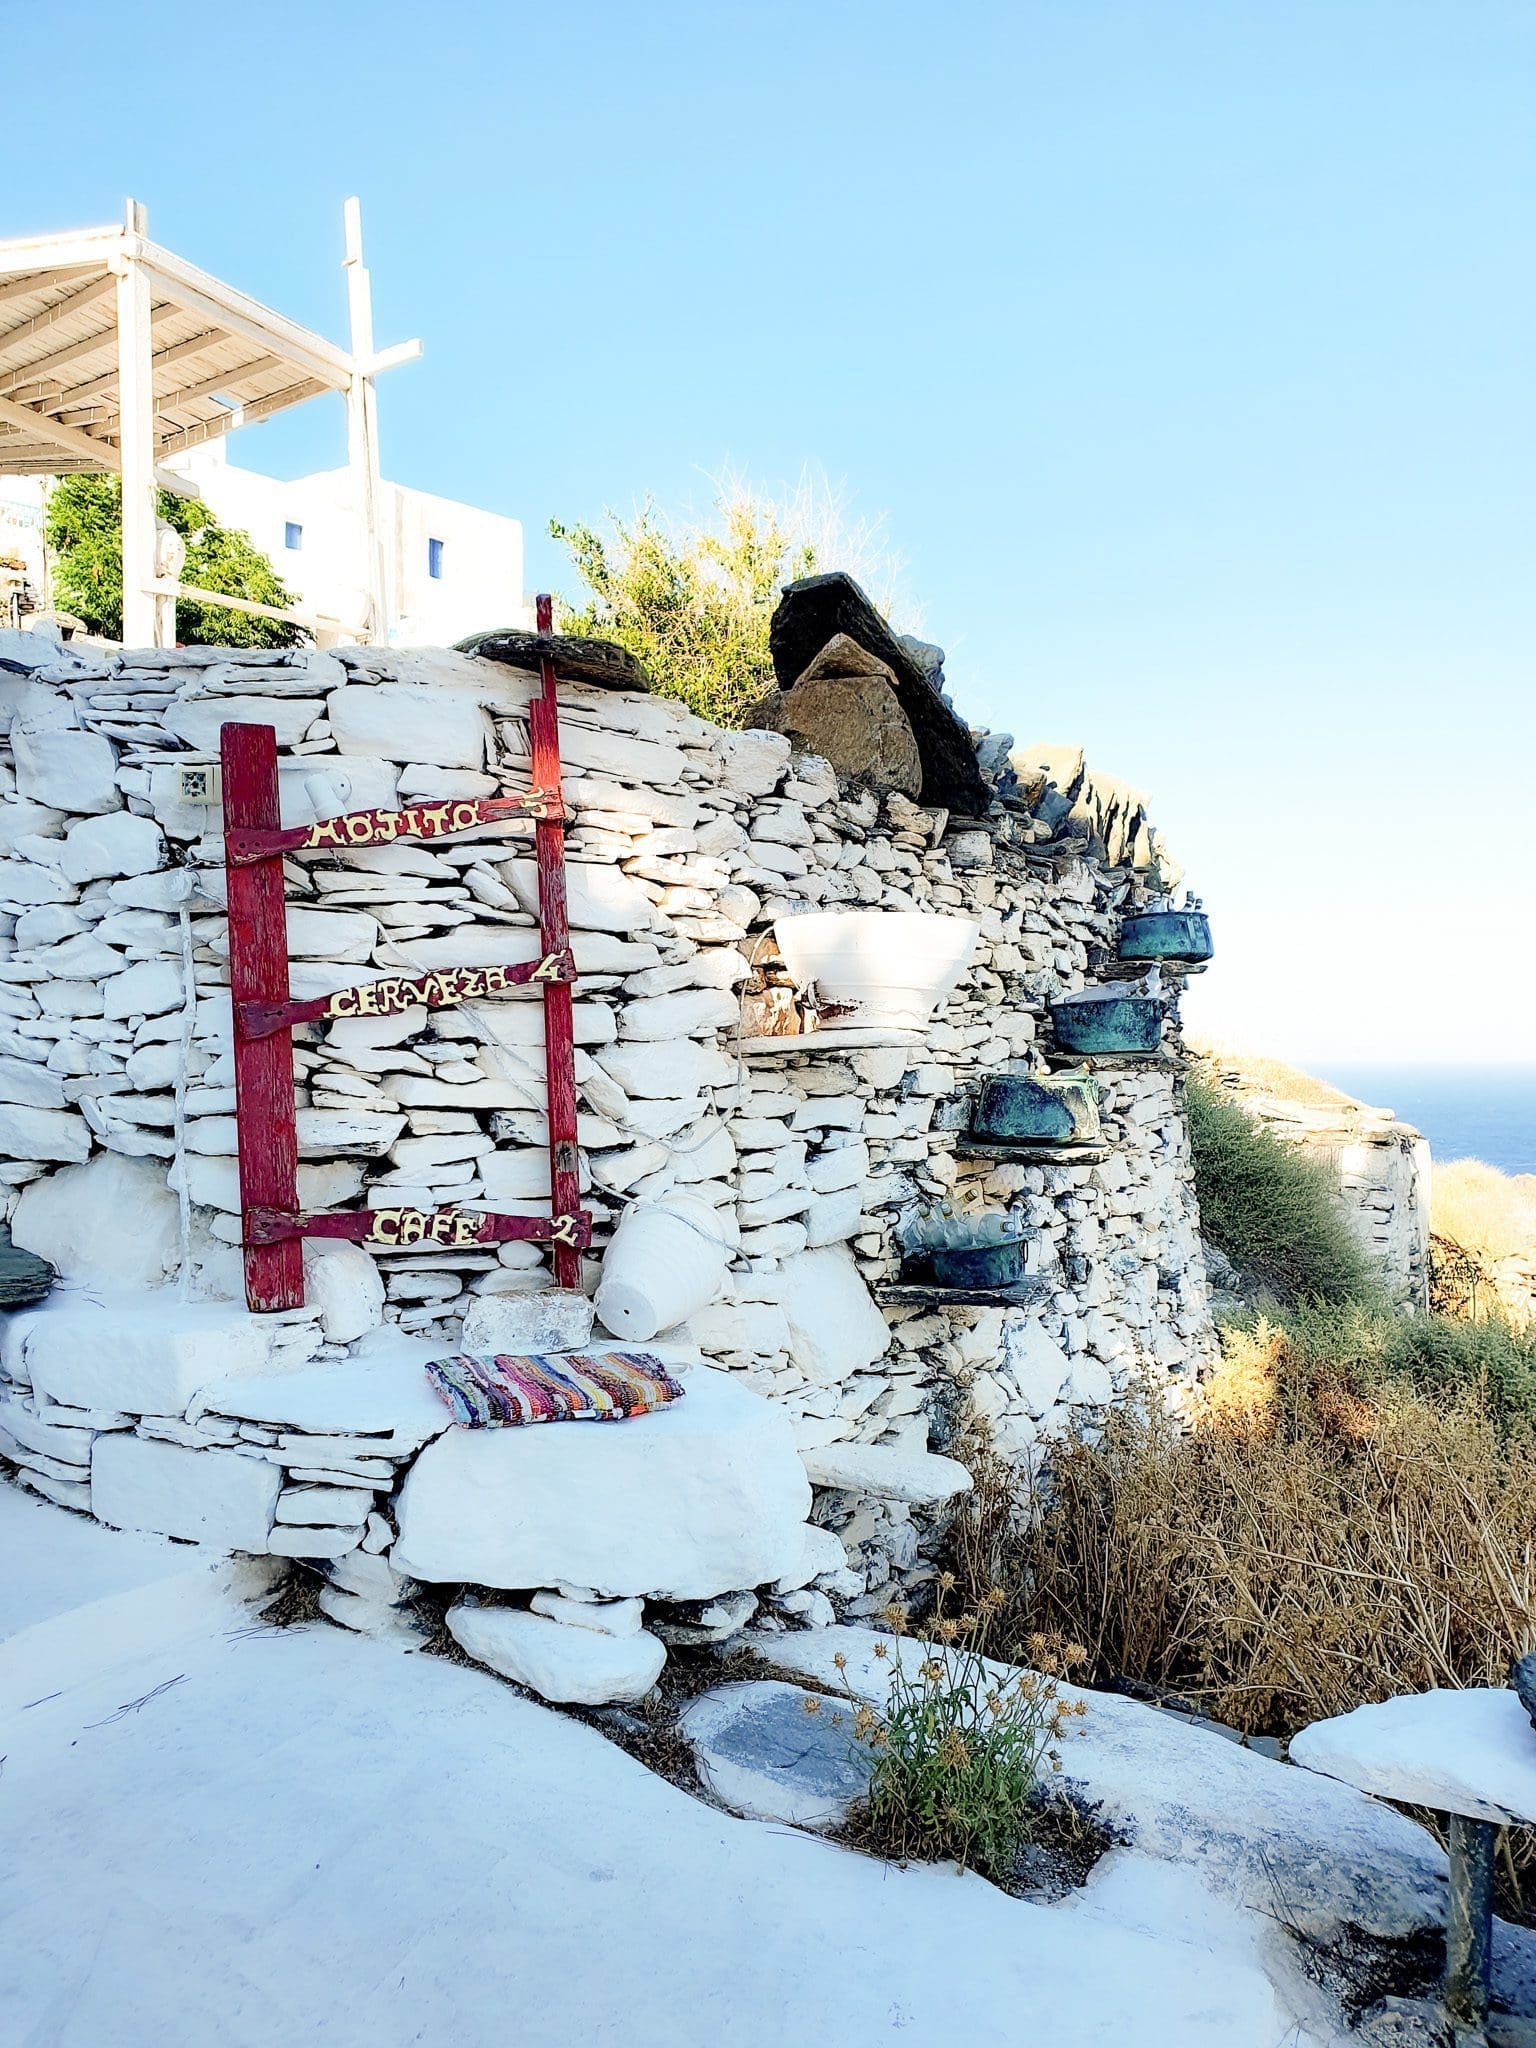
450 569
117 356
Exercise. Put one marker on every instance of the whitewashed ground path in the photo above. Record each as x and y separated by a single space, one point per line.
310 1837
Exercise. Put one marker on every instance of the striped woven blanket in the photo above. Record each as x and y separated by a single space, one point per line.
571 1386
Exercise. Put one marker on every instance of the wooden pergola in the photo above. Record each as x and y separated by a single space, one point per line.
115 354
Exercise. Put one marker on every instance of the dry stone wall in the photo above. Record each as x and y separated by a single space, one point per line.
117 1125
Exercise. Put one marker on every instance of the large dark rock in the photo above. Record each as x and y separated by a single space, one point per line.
816 609
599 662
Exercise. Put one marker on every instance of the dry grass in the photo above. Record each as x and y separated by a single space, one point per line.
1485 1211
1302 1546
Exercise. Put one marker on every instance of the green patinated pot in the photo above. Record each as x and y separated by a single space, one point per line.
1109 1023
1166 935
983 1265
1028 1109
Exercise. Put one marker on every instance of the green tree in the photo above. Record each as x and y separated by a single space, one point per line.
83 527
692 599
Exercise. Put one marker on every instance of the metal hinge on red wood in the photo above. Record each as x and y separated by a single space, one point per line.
273 1229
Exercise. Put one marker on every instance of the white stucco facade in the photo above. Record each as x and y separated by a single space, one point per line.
471 579
479 555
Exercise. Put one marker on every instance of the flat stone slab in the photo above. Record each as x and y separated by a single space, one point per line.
578 1666
600 662
916 1476
761 1752
807 616
928 1294
382 1391
1287 1844
1469 1752
706 1496
145 1355
216 1497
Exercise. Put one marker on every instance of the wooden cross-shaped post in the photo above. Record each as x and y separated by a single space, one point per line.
559 1023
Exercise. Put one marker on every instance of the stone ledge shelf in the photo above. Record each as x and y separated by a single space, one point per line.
929 1294
921 1478
835 1038
1034 1155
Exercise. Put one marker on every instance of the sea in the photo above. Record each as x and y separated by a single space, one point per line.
1486 1113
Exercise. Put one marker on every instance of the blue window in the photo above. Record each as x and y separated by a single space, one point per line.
293 535
435 559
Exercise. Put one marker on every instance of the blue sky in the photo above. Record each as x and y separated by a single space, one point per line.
1185 348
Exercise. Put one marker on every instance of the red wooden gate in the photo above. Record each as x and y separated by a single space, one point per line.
255 842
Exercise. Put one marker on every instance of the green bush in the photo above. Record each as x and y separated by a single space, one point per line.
83 526
692 598
1435 1355
693 606
1272 1210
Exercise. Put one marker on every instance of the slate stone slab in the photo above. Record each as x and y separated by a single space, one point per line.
1522 1676
576 660
808 615
766 1756
24 1277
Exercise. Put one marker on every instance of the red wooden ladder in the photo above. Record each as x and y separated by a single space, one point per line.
255 843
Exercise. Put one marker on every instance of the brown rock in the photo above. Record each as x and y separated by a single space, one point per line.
816 610
856 723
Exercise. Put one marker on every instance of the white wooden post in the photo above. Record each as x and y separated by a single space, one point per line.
363 432
144 614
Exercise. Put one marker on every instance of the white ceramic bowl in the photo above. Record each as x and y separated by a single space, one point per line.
890 967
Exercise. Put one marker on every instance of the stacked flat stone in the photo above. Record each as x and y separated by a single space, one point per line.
686 842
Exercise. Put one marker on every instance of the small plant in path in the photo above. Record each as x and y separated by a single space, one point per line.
959 1751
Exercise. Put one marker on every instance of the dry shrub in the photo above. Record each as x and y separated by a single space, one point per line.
1306 1541
1485 1211
957 1756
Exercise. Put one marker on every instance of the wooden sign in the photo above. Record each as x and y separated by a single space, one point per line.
443 989
265 1013
382 828
406 1229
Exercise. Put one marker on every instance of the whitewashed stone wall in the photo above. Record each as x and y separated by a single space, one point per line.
117 1130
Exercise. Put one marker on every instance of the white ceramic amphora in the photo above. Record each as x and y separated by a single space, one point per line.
665 1260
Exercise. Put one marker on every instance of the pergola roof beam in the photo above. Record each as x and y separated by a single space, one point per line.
87 249
106 380
238 416
39 323
175 401
38 427
24 287
327 364
41 371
